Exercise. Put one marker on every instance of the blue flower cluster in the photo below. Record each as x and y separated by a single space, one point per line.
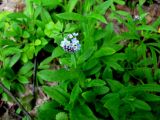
71 43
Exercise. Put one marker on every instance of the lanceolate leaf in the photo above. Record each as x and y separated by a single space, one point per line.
57 75
82 112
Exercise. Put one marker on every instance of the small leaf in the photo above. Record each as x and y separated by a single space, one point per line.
14 59
82 112
70 16
37 42
141 105
93 83
104 51
56 94
57 75
26 68
23 79
75 93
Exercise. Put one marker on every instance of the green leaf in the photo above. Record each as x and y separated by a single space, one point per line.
70 16
47 111
150 97
71 5
115 85
100 90
23 79
146 28
45 16
26 68
82 112
102 8
112 103
61 116
60 96
98 17
57 52
141 2
85 55
121 2
57 75
93 83
89 96
149 87
141 105
37 42
104 51
14 59
75 93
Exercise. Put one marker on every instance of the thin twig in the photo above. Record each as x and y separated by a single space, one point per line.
15 100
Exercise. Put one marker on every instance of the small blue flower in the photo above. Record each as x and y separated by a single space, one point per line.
71 43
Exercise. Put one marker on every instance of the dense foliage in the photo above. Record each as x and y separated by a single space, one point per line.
111 75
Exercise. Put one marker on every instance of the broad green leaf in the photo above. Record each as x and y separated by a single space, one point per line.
141 2
121 2
85 55
112 103
71 5
70 16
45 16
98 17
82 112
102 8
56 94
57 52
141 105
37 42
51 3
89 96
75 93
57 75
97 82
14 59
104 51
26 68
23 79
61 116
146 28
150 97
115 85
100 90
90 64
47 111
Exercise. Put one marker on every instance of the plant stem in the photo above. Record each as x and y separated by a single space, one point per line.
15 100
